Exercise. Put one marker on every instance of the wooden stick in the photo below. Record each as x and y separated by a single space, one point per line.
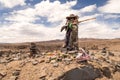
86 20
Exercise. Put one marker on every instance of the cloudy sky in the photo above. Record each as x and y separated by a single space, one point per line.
41 20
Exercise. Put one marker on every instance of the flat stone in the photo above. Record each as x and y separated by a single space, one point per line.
55 65
3 61
35 62
67 62
16 59
13 78
22 64
111 54
3 74
64 50
41 61
16 73
43 74
42 78
67 59
71 52
117 68
53 61
47 60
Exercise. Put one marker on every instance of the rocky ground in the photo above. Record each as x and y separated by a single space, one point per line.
56 65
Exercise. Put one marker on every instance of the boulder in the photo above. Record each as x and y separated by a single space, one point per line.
83 73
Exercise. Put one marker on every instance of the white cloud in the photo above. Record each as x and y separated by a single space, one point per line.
112 6
26 32
55 11
94 29
11 3
111 16
89 8
22 29
27 15
44 9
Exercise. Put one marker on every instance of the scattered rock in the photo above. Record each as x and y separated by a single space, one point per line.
117 68
13 78
111 54
16 73
106 72
53 61
55 65
16 58
22 64
43 74
59 59
3 61
41 61
67 61
35 62
94 47
42 78
2 74
47 60
108 61
104 50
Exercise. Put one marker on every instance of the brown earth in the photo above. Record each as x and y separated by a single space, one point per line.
107 67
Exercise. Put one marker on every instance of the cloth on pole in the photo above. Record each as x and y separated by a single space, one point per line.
82 56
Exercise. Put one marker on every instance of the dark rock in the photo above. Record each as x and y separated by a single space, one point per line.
117 68
9 60
106 72
59 59
16 73
83 73
42 78
1 53
111 54
2 74
104 50
41 61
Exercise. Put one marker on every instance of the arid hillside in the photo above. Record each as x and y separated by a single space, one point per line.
91 44
53 64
